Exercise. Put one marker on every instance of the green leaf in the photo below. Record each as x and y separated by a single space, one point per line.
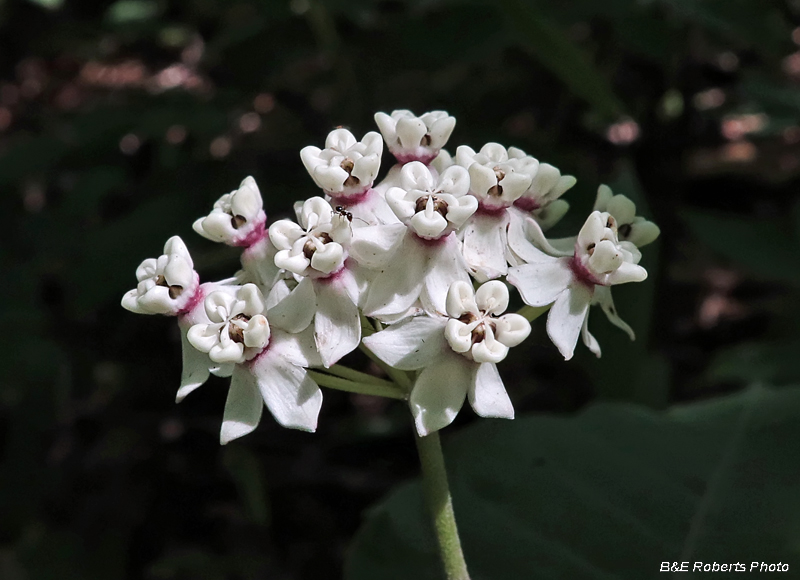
610 493
555 51
766 247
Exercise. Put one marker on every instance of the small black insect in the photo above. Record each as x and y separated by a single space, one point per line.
339 209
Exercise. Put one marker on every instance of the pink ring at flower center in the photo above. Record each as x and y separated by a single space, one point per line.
196 299
527 204
257 234
583 274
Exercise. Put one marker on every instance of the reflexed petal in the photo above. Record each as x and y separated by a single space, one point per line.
296 264
243 407
147 269
429 223
540 284
340 140
462 209
218 306
226 351
514 185
292 397
195 366
365 169
487 394
298 348
565 320
411 344
157 301
492 297
216 226
446 266
386 126
592 230
441 130
295 312
337 325
439 392
395 288
485 246
330 178
588 339
175 245
374 246
179 273
603 297
465 156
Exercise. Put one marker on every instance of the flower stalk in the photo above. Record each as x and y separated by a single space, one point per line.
371 388
440 504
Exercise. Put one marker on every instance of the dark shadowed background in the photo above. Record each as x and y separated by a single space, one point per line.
122 122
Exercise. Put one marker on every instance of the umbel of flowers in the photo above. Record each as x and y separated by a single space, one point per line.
415 270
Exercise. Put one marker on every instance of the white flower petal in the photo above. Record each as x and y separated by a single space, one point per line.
402 207
487 394
337 325
204 337
410 132
130 301
605 258
643 232
256 334
298 348
565 320
482 179
296 311
247 201
627 272
374 246
243 407
489 350
284 233
602 296
195 366
439 392
398 285
588 338
485 246
446 266
292 397
540 284
411 344
459 335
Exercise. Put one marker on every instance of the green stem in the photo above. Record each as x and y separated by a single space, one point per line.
341 384
440 504
358 376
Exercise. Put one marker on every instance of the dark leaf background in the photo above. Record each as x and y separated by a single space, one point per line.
122 122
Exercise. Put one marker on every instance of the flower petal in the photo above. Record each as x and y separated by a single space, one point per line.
292 397
485 246
487 394
396 287
374 246
446 266
602 296
565 320
439 392
337 325
411 344
298 348
296 311
243 407
540 284
195 366
588 338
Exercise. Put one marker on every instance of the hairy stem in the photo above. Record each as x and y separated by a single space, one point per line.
440 504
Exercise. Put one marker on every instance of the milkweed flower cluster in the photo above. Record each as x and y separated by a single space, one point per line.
420 262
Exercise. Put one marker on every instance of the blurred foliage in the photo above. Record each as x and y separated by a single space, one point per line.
700 464
122 122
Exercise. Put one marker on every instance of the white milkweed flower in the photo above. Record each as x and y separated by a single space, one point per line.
412 138
457 354
332 286
569 283
420 257
346 168
167 284
630 227
542 199
238 218
267 366
237 329
497 181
